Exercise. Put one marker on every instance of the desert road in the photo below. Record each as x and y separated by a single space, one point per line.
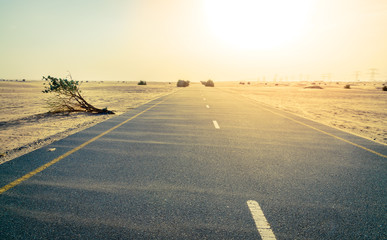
201 163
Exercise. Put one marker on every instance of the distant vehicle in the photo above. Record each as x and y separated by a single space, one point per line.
209 83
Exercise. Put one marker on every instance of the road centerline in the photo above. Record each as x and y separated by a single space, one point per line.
261 223
216 125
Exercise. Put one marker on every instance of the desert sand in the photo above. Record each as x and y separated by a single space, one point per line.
360 110
26 125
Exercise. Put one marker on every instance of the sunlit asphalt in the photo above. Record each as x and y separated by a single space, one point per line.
186 169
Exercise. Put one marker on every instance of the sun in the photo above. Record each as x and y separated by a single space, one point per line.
257 24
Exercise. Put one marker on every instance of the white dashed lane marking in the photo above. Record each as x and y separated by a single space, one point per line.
216 125
260 220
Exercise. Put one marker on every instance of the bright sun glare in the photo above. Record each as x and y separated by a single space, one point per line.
257 24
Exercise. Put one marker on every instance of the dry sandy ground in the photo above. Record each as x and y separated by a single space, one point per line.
25 124
360 110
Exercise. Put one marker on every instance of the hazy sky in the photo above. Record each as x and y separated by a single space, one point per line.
166 40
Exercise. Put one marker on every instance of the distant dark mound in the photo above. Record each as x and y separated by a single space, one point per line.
314 87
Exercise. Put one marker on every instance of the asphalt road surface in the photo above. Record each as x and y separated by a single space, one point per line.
201 163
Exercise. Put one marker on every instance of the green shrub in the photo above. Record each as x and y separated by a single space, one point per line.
384 88
182 83
347 86
141 82
210 83
68 97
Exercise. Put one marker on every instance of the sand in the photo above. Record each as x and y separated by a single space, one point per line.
25 124
360 110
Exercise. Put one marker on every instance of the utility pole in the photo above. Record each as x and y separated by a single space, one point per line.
330 77
323 76
357 75
326 77
373 72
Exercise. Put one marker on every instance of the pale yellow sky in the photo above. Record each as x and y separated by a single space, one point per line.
166 40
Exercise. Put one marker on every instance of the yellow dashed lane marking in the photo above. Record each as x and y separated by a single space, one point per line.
38 170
